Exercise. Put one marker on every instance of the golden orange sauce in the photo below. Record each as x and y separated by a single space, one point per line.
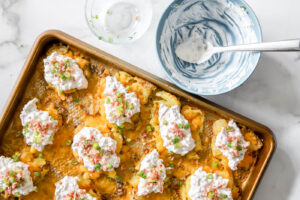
86 108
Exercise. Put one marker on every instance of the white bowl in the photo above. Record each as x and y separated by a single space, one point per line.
118 21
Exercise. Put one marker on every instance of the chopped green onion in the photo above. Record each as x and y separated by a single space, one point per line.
109 166
100 38
243 7
17 194
37 174
172 165
214 164
110 40
128 139
229 144
171 152
178 145
120 100
25 130
120 110
142 174
51 118
101 152
11 173
180 183
175 140
179 125
67 63
96 146
128 88
61 91
62 76
15 157
223 196
68 75
73 162
119 94
230 128
37 139
121 130
209 176
97 167
68 142
107 100
210 195
149 129
165 122
130 106
187 126
41 155
109 179
119 179
76 100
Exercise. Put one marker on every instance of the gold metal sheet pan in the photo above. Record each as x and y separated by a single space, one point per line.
52 36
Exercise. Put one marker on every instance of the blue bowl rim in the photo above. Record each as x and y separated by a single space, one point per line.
161 23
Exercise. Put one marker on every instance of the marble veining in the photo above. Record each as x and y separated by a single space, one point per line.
271 95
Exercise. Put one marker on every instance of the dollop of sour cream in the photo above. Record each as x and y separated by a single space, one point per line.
38 126
64 73
120 105
152 174
15 177
96 151
68 189
208 186
231 143
175 130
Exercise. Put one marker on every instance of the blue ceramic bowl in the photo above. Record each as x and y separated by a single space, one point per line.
222 22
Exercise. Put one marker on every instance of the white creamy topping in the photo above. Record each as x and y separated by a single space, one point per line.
231 143
64 73
68 189
152 173
96 151
120 106
38 126
15 177
175 130
208 186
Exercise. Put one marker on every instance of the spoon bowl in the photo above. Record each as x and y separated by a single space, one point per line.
195 50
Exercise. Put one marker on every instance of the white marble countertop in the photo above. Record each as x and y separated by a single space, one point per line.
271 95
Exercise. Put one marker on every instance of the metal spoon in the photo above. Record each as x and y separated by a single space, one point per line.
196 50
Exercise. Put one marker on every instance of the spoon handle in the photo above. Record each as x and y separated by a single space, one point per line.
287 45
